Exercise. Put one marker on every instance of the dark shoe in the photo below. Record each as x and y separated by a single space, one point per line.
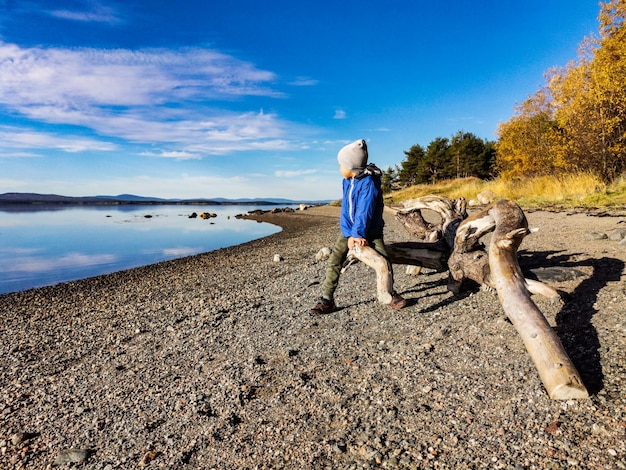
397 301
324 306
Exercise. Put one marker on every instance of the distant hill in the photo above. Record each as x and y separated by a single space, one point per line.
34 198
133 198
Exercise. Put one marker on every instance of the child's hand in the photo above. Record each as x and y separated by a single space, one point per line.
352 242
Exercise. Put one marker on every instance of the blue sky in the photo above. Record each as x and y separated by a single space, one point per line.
248 98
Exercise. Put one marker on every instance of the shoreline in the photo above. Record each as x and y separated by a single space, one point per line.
213 361
65 258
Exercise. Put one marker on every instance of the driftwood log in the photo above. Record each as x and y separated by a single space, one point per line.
384 278
455 244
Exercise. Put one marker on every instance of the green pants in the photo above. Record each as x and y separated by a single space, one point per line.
337 258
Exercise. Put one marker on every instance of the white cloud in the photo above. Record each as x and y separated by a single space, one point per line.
339 114
84 78
16 250
144 96
14 137
19 155
292 174
175 155
304 81
96 12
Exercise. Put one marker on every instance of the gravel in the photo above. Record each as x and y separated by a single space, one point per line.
213 361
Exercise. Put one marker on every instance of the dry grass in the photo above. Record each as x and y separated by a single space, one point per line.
574 190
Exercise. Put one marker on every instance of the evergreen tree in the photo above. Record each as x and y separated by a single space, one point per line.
470 156
407 174
487 168
433 166
462 156
389 178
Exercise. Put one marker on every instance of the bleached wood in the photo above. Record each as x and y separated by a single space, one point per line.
384 278
428 255
450 212
539 288
497 268
555 368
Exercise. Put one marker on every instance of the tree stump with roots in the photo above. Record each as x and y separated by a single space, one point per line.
454 244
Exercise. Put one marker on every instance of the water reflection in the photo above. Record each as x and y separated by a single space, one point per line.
43 247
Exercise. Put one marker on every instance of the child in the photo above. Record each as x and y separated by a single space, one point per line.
361 220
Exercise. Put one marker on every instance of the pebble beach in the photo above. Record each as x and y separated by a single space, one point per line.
214 362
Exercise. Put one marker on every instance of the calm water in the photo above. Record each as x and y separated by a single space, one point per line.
47 246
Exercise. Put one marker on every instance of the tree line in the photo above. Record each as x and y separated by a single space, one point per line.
461 156
575 123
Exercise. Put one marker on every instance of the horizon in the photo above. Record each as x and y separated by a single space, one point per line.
127 197
240 100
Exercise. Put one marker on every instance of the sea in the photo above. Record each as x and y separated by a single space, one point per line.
42 245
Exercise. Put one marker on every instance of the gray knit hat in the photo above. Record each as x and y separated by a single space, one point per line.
353 156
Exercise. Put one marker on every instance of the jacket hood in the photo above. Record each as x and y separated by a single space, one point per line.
370 170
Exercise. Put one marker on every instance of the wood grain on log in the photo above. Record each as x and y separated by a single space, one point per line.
428 255
384 277
469 259
555 368
450 212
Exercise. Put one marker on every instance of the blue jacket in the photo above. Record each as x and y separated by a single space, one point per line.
362 206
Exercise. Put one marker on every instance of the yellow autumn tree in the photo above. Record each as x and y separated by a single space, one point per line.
572 92
608 74
529 143
577 122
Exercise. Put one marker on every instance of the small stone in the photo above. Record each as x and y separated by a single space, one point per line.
340 448
553 426
618 234
147 458
486 197
597 236
277 258
323 254
17 438
72 455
